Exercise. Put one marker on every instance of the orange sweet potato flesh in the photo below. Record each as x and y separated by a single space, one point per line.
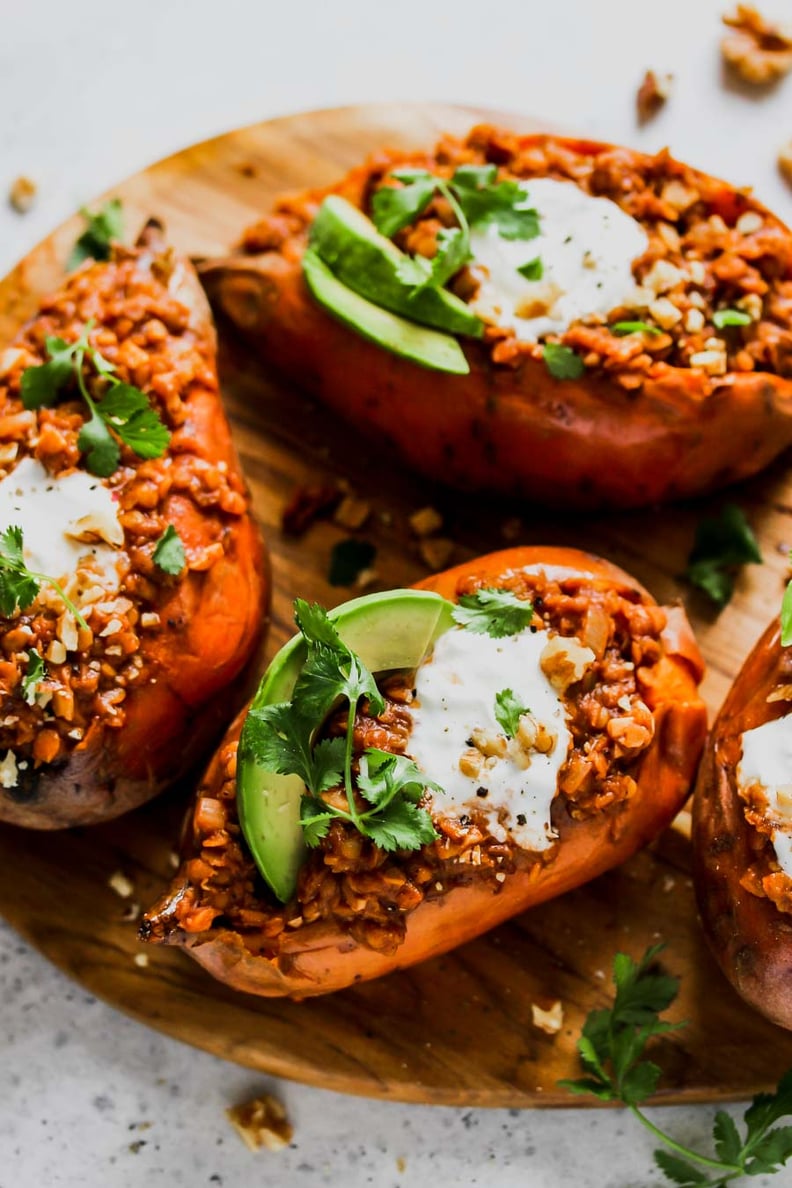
750 937
512 430
320 958
211 624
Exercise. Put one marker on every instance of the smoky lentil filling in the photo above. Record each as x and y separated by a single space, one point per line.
710 247
349 881
156 343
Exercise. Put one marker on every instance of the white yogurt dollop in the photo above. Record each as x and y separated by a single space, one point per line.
767 761
456 689
586 245
64 520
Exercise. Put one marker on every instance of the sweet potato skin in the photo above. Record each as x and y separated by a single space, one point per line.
211 623
320 958
750 938
516 431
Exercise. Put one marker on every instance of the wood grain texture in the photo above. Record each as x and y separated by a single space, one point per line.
458 1029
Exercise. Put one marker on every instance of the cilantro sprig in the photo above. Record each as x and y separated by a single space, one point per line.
123 414
476 198
169 553
612 1051
19 585
493 612
103 228
283 738
508 711
36 673
721 545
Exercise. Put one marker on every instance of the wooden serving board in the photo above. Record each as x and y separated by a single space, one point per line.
457 1030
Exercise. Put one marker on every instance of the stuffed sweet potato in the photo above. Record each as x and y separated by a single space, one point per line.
535 720
610 305
742 831
132 587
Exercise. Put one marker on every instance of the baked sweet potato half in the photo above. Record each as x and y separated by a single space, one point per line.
742 831
534 720
132 583
604 304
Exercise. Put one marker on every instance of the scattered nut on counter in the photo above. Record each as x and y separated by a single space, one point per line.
550 1021
22 194
426 521
652 94
785 161
261 1122
122 885
760 52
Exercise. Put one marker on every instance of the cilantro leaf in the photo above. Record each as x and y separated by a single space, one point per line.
767 1108
383 775
395 207
129 413
721 545
315 818
102 454
730 317
36 673
104 227
508 711
453 252
18 587
622 328
41 386
727 1137
562 362
403 827
493 612
485 202
327 764
532 270
679 1170
169 552
279 739
331 669
786 616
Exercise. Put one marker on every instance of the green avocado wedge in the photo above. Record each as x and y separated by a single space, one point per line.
388 631
366 261
428 348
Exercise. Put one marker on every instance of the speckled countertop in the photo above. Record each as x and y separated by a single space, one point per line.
88 1097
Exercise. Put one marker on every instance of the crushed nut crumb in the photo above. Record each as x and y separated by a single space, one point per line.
22 194
759 51
652 94
549 1021
261 1122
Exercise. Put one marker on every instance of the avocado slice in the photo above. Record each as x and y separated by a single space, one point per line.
388 631
366 261
429 348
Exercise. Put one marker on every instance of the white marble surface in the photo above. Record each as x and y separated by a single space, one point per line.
86 1096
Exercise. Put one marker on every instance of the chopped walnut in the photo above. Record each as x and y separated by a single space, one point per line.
785 161
22 194
564 661
352 513
758 50
549 1021
426 521
436 551
652 94
261 1122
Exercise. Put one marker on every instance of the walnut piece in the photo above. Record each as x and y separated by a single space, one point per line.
550 1021
22 194
760 52
261 1122
785 161
652 94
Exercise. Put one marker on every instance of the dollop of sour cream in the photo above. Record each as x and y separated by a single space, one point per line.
67 521
586 245
767 761
455 697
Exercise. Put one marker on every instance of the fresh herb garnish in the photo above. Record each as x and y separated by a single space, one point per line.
476 199
622 328
169 552
123 409
282 739
533 270
20 585
562 362
612 1050
497 613
508 711
786 614
722 544
730 317
103 228
36 673
348 559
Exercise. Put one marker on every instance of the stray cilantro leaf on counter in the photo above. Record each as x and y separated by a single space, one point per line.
730 317
103 228
562 362
348 559
497 613
622 328
533 270
123 408
20 585
722 544
786 614
611 1051
36 673
508 711
169 552
281 737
